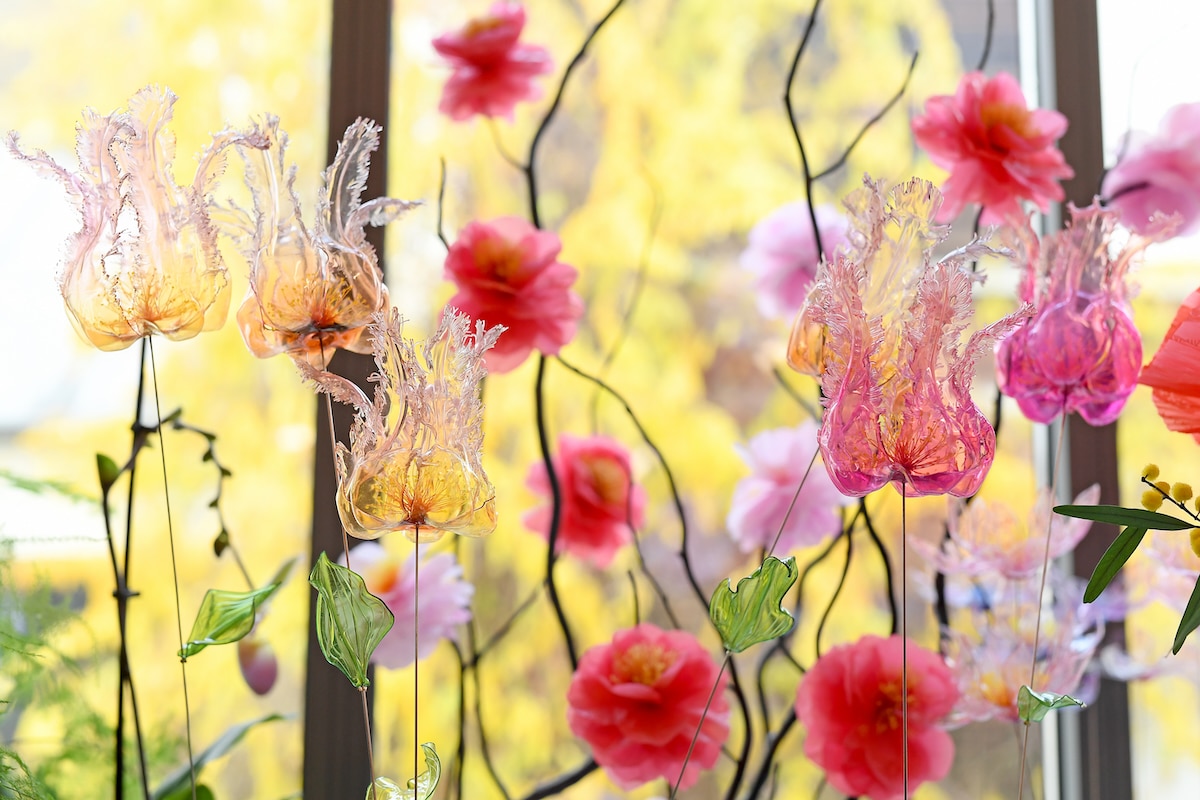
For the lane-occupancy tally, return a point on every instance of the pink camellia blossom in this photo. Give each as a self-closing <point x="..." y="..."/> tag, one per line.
<point x="1172" y="374"/>
<point x="1080" y="351"/>
<point x="851" y="703"/>
<point x="259" y="667"/>
<point x="778" y="460"/>
<point x="1159" y="174"/>
<point x="507" y="273"/>
<point x="639" y="700"/>
<point x="598" y="501"/>
<point x="438" y="604"/>
<point x="882" y="330"/>
<point x="782" y="255"/>
<point x="492" y="71"/>
<point x="997" y="150"/>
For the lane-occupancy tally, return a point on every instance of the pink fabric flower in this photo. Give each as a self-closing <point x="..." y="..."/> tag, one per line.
<point x="492" y="72"/>
<point x="440" y="606"/>
<point x="851" y="704"/>
<point x="598" y="501"/>
<point x="638" y="701"/>
<point x="1159" y="174"/>
<point x="1172" y="371"/>
<point x="507" y="273"/>
<point x="882" y="329"/>
<point x="778" y="460"/>
<point x="782" y="255"/>
<point x="1080" y="351"/>
<point x="997" y="150"/>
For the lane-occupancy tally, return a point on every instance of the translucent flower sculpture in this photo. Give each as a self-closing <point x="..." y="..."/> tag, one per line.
<point x="1080" y="351"/>
<point x="782" y="255"/>
<point x="312" y="291"/>
<point x="413" y="464"/>
<point x="997" y="150"/>
<point x="146" y="259"/>
<point x="881" y="329"/>
<point x="1172" y="374"/>
<point x="1159" y="174"/>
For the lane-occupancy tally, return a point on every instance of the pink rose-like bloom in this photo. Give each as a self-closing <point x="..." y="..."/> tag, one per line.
<point x="507" y="273"/>
<point x="492" y="72"/>
<point x="851" y="704"/>
<point x="442" y="604"/>
<point x="598" y="502"/>
<point x="782" y="255"/>
<point x="639" y="700"/>
<point x="997" y="150"/>
<point x="1159" y="174"/>
<point x="778" y="460"/>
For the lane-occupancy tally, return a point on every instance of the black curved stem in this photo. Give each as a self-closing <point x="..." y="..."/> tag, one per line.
<point x="887" y="563"/>
<point x="502" y="631"/>
<point x="791" y="115"/>
<point x="768" y="758"/>
<point x="837" y="591"/>
<point x="735" y="683"/>
<point x="561" y="784"/>
<point x="987" y="41"/>
<point x="461" y="751"/>
<point x="484" y="750"/>
<point x="441" y="204"/>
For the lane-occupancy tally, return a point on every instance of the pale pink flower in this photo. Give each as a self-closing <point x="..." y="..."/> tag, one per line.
<point x="782" y="255"/>
<point x="882" y="330"/>
<point x="638" y="701"/>
<point x="851" y="703"/>
<point x="492" y="70"/>
<point x="599" y="500"/>
<point x="438" y="602"/>
<point x="778" y="460"/>
<point x="507" y="273"/>
<point x="997" y="150"/>
<point x="1159" y="174"/>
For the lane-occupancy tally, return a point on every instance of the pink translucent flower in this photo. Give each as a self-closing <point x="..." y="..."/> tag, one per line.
<point x="1159" y="174"/>
<point x="882" y="330"/>
<point x="782" y="255"/>
<point x="598" y="501"/>
<point x="507" y="273"/>
<point x="997" y="150"/>
<point x="778" y="460"/>
<point x="1080" y="351"/>
<point x="639" y="700"/>
<point x="1172" y="371"/>
<point x="851" y="703"/>
<point x="492" y="72"/>
<point x="439" y="603"/>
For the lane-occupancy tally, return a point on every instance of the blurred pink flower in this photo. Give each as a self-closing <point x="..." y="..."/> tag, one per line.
<point x="1159" y="174"/>
<point x="882" y="330"/>
<point x="782" y="255"/>
<point x="507" y="273"/>
<point x="1172" y="371"/>
<point x="851" y="703"/>
<point x="639" y="700"/>
<point x="778" y="459"/>
<point x="597" y="500"/>
<point x="997" y="150"/>
<point x="440" y="603"/>
<point x="1080" y="351"/>
<point x="259" y="667"/>
<point x="492" y="72"/>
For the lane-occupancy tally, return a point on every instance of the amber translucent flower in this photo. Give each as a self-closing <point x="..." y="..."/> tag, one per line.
<point x="414" y="463"/>
<point x="312" y="291"/>
<point x="146" y="259"/>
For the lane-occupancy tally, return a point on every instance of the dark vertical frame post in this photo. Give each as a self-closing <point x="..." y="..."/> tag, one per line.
<point x="335" y="754"/>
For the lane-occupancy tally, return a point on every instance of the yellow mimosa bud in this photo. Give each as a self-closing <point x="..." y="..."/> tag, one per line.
<point x="1151" y="499"/>
<point x="1182" y="492"/>
<point x="1163" y="487"/>
<point x="1150" y="472"/>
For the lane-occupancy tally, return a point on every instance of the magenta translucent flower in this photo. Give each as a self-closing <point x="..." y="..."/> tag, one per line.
<point x="1080" y="351"/>
<point x="882" y="330"/>
<point x="782" y="255"/>
<point x="778" y="459"/>
<point x="1158" y="176"/>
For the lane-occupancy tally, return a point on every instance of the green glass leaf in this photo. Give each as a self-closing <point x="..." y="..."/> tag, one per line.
<point x="226" y="617"/>
<point x="1135" y="517"/>
<point x="1190" y="620"/>
<point x="351" y="622"/>
<point x="108" y="471"/>
<point x="1111" y="562"/>
<point x="754" y="612"/>
<point x="1034" y="706"/>
<point x="178" y="784"/>
<point x="419" y="789"/>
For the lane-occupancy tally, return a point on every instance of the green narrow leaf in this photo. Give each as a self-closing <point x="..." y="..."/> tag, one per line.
<point x="1034" y="706"/>
<point x="180" y="780"/>
<point x="1111" y="562"/>
<point x="221" y="542"/>
<point x="351" y="622"/>
<point x="226" y="617"/>
<point x="1190" y="620"/>
<point x="108" y="471"/>
<point x="420" y="788"/>
<point x="185" y="793"/>
<point x="1134" y="517"/>
<point x="754" y="612"/>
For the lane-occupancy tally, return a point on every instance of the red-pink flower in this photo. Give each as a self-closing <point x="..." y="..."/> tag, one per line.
<point x="782" y="255"/>
<point x="492" y="71"/>
<point x="598" y="500"/>
<point x="1159" y="174"/>
<point x="639" y="700"/>
<point x="507" y="273"/>
<point x="997" y="150"/>
<point x="851" y="703"/>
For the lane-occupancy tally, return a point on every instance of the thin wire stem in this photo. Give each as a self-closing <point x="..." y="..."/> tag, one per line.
<point x="904" y="627"/>
<point x="416" y="652"/>
<point x="700" y="727"/>
<point x="792" y="505"/>
<point x="362" y="693"/>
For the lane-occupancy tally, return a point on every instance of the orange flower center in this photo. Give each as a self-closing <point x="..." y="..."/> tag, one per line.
<point x="497" y="259"/>
<point x="889" y="711"/>
<point x="994" y="689"/>
<point x="1016" y="118"/>
<point x="382" y="576"/>
<point x="642" y="663"/>
<point x="608" y="477"/>
<point x="481" y="25"/>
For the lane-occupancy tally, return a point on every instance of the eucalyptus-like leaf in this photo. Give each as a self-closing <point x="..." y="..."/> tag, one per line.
<point x="420" y="788"/>
<point x="1111" y="562"/>
<point x="225" y="616"/>
<point x="754" y="612"/>
<point x="1135" y="517"/>
<point x="107" y="470"/>
<point x="1034" y="706"/>
<point x="351" y="622"/>
<point x="178" y="784"/>
<point x="1190" y="620"/>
